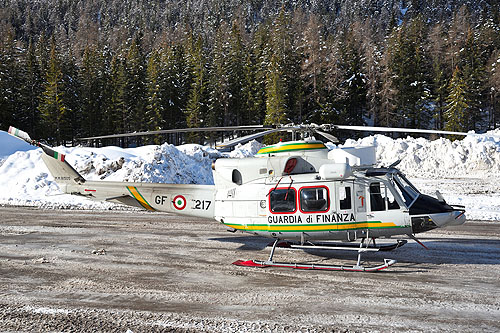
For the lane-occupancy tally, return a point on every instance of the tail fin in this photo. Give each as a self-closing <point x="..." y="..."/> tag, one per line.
<point x="61" y="170"/>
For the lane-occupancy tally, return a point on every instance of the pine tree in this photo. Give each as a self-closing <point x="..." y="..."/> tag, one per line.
<point x="118" y="116"/>
<point x="494" y="83"/>
<point x="256" y="68"/>
<point x="90" y="96"/>
<point x="135" y="94"/>
<point x="71" y="86"/>
<point x="457" y="104"/>
<point x="178" y="82"/>
<point x="10" y="111"/>
<point x="31" y="90"/>
<point x="219" y="112"/>
<point x="473" y="71"/>
<point x="372" y="55"/>
<point x="409" y="66"/>
<point x="276" y="80"/>
<point x="235" y="65"/>
<point x="353" y="105"/>
<point x="313" y="67"/>
<point x="333" y="89"/>
<point x="275" y="103"/>
<point x="52" y="107"/>
<point x="107" y="90"/>
<point x="440" y="75"/>
<point x="155" y="89"/>
<point x="387" y="113"/>
<point x="196" y="108"/>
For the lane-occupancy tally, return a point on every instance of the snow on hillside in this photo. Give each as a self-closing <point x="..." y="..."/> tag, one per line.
<point x="465" y="171"/>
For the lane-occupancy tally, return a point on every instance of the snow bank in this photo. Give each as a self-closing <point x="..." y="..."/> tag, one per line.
<point x="465" y="171"/>
<point x="29" y="182"/>
<point x="474" y="156"/>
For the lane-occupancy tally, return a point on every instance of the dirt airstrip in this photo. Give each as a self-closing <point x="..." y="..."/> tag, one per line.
<point x="69" y="270"/>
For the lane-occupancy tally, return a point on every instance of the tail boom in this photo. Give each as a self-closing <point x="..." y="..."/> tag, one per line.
<point x="189" y="199"/>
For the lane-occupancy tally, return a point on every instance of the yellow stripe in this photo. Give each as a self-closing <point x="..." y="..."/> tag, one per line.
<point x="367" y="224"/>
<point x="137" y="196"/>
<point x="340" y="226"/>
<point x="276" y="149"/>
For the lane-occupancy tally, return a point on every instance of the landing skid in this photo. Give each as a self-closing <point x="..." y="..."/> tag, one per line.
<point x="258" y="263"/>
<point x="341" y="246"/>
<point x="363" y="247"/>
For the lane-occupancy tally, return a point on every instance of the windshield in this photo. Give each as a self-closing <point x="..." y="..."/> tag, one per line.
<point x="406" y="189"/>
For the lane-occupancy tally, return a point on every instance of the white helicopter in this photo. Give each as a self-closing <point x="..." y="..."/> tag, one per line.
<point x="298" y="193"/>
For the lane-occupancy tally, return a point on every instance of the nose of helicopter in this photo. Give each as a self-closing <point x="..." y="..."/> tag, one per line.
<point x="455" y="217"/>
<point x="430" y="213"/>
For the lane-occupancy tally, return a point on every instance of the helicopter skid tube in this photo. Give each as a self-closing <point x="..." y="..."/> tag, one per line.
<point x="257" y="263"/>
<point x="341" y="246"/>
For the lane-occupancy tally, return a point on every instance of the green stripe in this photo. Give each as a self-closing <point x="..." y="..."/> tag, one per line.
<point x="296" y="144"/>
<point x="133" y="196"/>
<point x="142" y="197"/>
<point x="308" y="224"/>
<point x="334" y="226"/>
<point x="292" y="149"/>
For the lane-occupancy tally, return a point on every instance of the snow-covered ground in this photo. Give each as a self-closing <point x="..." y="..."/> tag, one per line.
<point x="465" y="171"/>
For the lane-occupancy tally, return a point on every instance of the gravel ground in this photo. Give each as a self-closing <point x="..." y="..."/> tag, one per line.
<point x="131" y="271"/>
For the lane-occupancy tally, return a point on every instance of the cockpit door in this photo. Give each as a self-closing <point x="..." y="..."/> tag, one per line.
<point x="345" y="206"/>
<point x="383" y="209"/>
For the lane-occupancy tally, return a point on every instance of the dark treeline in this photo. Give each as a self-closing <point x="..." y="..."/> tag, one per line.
<point x="72" y="69"/>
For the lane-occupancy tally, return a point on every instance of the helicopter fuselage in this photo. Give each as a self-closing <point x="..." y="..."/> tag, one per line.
<point x="293" y="190"/>
<point x="308" y="195"/>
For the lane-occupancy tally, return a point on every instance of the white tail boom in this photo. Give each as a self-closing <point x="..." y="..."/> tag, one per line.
<point x="190" y="200"/>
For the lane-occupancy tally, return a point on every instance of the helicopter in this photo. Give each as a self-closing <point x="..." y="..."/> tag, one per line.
<point x="299" y="193"/>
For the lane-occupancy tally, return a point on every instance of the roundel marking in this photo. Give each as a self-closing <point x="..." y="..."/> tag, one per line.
<point x="179" y="202"/>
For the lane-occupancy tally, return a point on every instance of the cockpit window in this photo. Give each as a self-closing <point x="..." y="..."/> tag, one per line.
<point x="314" y="199"/>
<point x="381" y="198"/>
<point x="406" y="189"/>
<point x="376" y="199"/>
<point x="283" y="200"/>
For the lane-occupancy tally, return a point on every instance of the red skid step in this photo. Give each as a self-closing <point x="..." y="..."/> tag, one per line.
<point x="256" y="263"/>
<point x="247" y="263"/>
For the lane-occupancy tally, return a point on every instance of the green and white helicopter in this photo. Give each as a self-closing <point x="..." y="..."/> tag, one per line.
<point x="298" y="193"/>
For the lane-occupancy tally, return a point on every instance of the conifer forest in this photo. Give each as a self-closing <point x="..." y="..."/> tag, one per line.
<point x="78" y="68"/>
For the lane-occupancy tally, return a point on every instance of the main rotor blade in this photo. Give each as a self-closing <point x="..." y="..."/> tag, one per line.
<point x="404" y="130"/>
<point x="330" y="137"/>
<point x="247" y="138"/>
<point x="20" y="134"/>
<point x="181" y="130"/>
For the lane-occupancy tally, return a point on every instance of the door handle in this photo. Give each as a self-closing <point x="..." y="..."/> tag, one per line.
<point x="370" y="215"/>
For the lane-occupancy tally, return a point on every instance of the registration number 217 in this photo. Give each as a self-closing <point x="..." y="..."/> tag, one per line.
<point x="202" y="204"/>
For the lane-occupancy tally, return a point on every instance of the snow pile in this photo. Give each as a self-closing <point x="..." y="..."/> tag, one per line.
<point x="29" y="182"/>
<point x="189" y="164"/>
<point x="474" y="156"/>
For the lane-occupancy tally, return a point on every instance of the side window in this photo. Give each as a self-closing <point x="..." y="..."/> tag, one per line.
<point x="376" y="199"/>
<point x="345" y="197"/>
<point x="379" y="195"/>
<point x="314" y="199"/>
<point x="391" y="200"/>
<point x="283" y="200"/>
